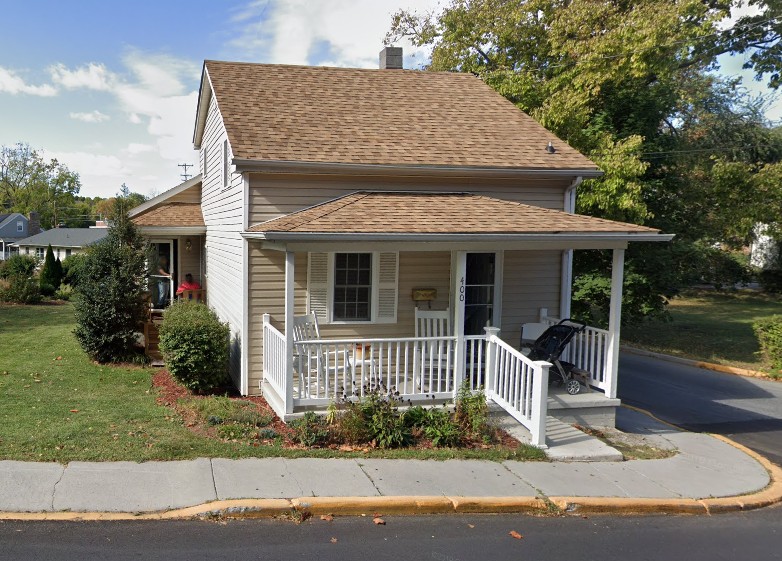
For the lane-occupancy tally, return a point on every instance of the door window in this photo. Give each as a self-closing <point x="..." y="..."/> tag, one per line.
<point x="479" y="292"/>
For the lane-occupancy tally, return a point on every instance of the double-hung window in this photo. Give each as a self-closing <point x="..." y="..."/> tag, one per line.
<point x="353" y="287"/>
<point x="19" y="226"/>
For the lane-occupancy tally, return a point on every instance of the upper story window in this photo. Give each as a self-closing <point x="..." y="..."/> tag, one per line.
<point x="20" y="226"/>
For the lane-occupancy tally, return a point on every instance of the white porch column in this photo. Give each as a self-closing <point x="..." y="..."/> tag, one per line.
<point x="614" y="322"/>
<point x="566" y="284"/>
<point x="459" y="289"/>
<point x="289" y="301"/>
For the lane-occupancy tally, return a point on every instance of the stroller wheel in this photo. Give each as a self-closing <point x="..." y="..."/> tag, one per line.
<point x="572" y="386"/>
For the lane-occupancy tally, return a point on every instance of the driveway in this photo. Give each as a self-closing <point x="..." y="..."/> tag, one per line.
<point x="748" y="410"/>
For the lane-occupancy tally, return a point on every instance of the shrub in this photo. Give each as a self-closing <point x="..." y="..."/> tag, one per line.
<point x="310" y="430"/>
<point x="50" y="276"/>
<point x="18" y="265"/>
<point x="72" y="269"/>
<point x="769" y="334"/>
<point x="20" y="290"/>
<point x="472" y="411"/>
<point x="441" y="428"/>
<point x="64" y="292"/>
<point x="771" y="280"/>
<point x="194" y="344"/>
<point x="109" y="305"/>
<point x="385" y="424"/>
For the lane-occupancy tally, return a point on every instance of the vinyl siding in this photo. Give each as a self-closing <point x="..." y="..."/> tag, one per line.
<point x="531" y="280"/>
<point x="274" y="195"/>
<point x="267" y="295"/>
<point x="223" y="215"/>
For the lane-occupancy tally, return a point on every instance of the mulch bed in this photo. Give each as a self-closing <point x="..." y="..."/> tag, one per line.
<point x="170" y="392"/>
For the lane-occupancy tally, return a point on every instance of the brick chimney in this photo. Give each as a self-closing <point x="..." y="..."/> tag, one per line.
<point x="391" y="58"/>
<point x="34" y="224"/>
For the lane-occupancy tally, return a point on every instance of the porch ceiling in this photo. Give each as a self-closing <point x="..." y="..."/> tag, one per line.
<point x="448" y="218"/>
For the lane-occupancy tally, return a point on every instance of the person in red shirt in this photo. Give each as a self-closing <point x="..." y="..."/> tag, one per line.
<point x="188" y="284"/>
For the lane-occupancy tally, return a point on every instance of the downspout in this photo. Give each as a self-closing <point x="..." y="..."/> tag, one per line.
<point x="566" y="280"/>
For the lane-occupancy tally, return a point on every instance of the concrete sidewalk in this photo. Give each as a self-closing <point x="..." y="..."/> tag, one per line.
<point x="705" y="467"/>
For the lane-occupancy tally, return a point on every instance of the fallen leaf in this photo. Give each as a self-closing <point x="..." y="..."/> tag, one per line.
<point x="515" y="534"/>
<point x="379" y="521"/>
<point x="326" y="517"/>
<point x="471" y="525"/>
<point x="74" y="410"/>
<point x="333" y="540"/>
<point x="58" y="358"/>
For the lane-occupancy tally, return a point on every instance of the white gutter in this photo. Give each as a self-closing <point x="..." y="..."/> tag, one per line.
<point x="477" y="237"/>
<point x="290" y="166"/>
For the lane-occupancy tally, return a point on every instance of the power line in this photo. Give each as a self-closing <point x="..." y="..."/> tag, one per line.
<point x="185" y="176"/>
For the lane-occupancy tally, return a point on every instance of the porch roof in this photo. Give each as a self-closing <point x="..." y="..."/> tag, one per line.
<point x="439" y="216"/>
<point x="172" y="215"/>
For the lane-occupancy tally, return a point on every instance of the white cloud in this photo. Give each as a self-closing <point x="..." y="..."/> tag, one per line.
<point x="90" y="164"/>
<point x="11" y="83"/>
<point x="92" y="76"/>
<point x="287" y="31"/>
<point x="90" y="117"/>
<point x="138" y="148"/>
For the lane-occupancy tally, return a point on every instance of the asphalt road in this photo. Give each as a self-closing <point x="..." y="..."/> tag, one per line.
<point x="748" y="410"/>
<point x="750" y="535"/>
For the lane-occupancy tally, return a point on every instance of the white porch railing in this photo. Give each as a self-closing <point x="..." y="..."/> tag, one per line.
<point x="518" y="385"/>
<point x="274" y="363"/>
<point x="416" y="369"/>
<point x="588" y="350"/>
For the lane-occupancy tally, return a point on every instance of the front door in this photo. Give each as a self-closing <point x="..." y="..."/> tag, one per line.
<point x="479" y="302"/>
<point x="163" y="272"/>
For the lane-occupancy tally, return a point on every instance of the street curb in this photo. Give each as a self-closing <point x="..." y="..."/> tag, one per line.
<point x="700" y="364"/>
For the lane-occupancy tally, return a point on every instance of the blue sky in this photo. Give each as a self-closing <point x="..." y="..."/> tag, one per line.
<point x="110" y="88"/>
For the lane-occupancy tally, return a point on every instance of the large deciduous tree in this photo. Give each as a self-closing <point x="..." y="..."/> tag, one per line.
<point x="30" y="183"/>
<point x="630" y="85"/>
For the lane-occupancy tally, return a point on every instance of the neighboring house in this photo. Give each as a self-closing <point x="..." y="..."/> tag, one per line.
<point x="343" y="192"/>
<point x="15" y="226"/>
<point x="64" y="241"/>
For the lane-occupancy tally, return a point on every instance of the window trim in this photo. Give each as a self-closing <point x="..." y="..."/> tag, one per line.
<point x="20" y="226"/>
<point x="225" y="164"/>
<point x="372" y="285"/>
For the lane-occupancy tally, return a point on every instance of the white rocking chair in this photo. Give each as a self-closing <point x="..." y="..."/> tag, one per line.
<point x="309" y="360"/>
<point x="434" y="354"/>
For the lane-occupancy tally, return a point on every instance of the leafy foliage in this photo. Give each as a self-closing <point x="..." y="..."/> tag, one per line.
<point x="629" y="85"/>
<point x="109" y="305"/>
<point x="194" y="343"/>
<point x="18" y="265"/>
<point x="18" y="284"/>
<point x="769" y="334"/>
<point x="472" y="411"/>
<point x="310" y="430"/>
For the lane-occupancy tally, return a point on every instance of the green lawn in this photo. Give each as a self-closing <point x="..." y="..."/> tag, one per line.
<point x="57" y="405"/>
<point x="709" y="326"/>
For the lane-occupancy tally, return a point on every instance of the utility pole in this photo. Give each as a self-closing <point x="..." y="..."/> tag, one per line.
<point x="185" y="176"/>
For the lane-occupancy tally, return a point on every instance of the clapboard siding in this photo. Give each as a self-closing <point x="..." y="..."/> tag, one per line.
<point x="223" y="215"/>
<point x="274" y="195"/>
<point x="531" y="280"/>
<point x="267" y="295"/>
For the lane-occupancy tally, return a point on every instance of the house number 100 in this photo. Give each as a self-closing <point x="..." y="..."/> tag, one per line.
<point x="461" y="290"/>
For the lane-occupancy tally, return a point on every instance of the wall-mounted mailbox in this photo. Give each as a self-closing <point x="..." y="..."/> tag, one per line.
<point x="424" y="294"/>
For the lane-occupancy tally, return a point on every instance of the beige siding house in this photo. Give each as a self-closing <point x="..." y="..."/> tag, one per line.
<point x="358" y="195"/>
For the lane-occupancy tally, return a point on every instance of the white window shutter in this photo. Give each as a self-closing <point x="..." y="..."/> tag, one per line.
<point x="318" y="286"/>
<point x="388" y="270"/>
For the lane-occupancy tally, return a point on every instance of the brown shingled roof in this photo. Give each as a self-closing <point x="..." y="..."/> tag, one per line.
<point x="438" y="213"/>
<point x="380" y="117"/>
<point x="172" y="215"/>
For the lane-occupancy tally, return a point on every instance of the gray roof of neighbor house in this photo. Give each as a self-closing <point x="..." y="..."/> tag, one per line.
<point x="65" y="237"/>
<point x="321" y="115"/>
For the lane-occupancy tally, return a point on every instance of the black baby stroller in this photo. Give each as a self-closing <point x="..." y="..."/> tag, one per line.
<point x="549" y="347"/>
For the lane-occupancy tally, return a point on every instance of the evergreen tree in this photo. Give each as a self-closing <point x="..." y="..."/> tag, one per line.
<point x="109" y="305"/>
<point x="50" y="276"/>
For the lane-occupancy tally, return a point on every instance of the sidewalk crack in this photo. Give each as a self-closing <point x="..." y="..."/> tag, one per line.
<point x="214" y="481"/>
<point x="54" y="489"/>
<point x="372" y="481"/>
<point x="540" y="493"/>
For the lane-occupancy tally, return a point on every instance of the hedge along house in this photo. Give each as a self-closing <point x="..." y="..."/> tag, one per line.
<point x="357" y="195"/>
